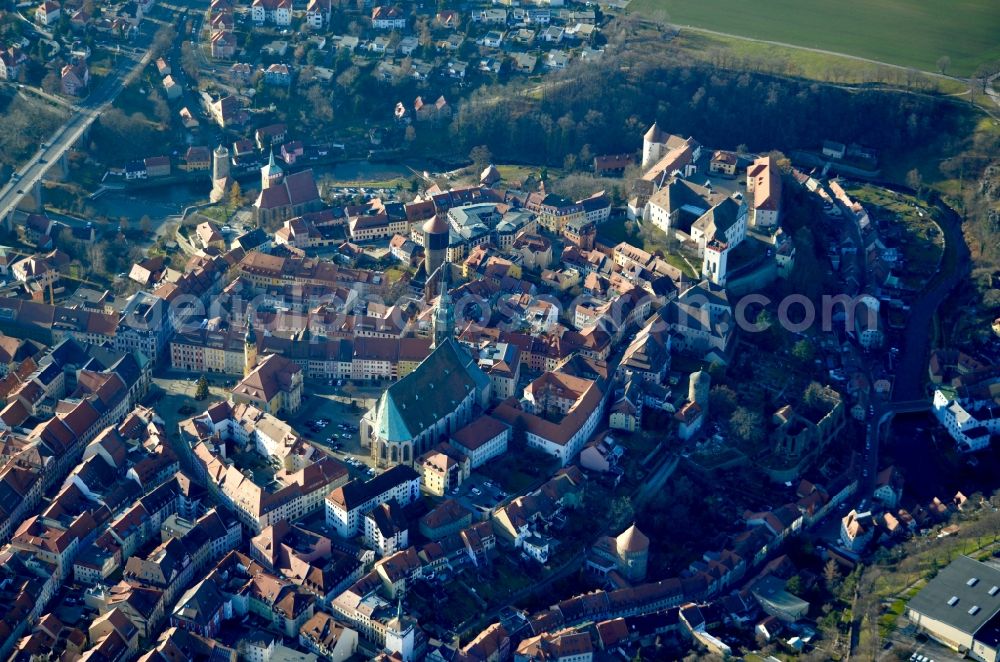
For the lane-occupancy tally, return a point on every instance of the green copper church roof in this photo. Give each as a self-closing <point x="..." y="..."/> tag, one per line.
<point x="433" y="390"/>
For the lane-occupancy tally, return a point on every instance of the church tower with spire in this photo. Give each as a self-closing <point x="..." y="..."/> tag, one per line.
<point x="271" y="174"/>
<point x="249" y="348"/>
<point x="443" y="323"/>
<point x="400" y="634"/>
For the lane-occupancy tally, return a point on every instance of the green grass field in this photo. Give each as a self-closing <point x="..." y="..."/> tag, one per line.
<point x="912" y="33"/>
<point x="812" y="65"/>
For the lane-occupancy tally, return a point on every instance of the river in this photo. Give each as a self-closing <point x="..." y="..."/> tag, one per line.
<point x="159" y="203"/>
<point x="926" y="455"/>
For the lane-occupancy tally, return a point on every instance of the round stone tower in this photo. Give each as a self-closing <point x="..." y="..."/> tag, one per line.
<point x="652" y="146"/>
<point x="220" y="163"/>
<point x="632" y="547"/>
<point x="698" y="388"/>
<point x="436" y="232"/>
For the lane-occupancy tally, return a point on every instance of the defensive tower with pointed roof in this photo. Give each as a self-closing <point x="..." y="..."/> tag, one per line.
<point x="436" y="234"/>
<point x="652" y="145"/>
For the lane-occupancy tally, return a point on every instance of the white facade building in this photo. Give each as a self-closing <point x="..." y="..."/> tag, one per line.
<point x="972" y="424"/>
<point x="346" y="505"/>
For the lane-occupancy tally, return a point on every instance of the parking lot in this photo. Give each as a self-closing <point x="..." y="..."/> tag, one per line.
<point x="478" y="494"/>
<point x="332" y="425"/>
<point x="919" y="647"/>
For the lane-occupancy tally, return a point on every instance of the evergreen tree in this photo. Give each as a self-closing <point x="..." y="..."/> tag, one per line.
<point x="201" y="392"/>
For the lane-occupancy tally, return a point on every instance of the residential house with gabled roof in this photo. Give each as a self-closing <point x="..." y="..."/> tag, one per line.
<point x="226" y="111"/>
<point x="856" y="530"/>
<point x="398" y="571"/>
<point x="780" y="522"/>
<point x="436" y="111"/>
<point x="279" y="602"/>
<point x="612" y="165"/>
<point x="764" y="181"/>
<point x="273" y="386"/>
<point x="223" y="45"/>
<point x="200" y="609"/>
<point x="74" y="78"/>
<point x="278" y="74"/>
<point x="889" y="487"/>
<point x="11" y="60"/>
<point x="388" y="18"/>
<point x="325" y="637"/>
<point x="520" y="518"/>
<point x="278" y="12"/>
<point x="443" y="469"/>
<point x="48" y="13"/>
<point x="491" y="645"/>
<point x="318" y="13"/>
<point x="561" y="646"/>
<point x="386" y="530"/>
<point x="114" y="624"/>
<point x="723" y="163"/>
<point x="308" y="557"/>
<point x="445" y="519"/>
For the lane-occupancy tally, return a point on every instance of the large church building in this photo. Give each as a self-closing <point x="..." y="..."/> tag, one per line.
<point x="285" y="196"/>
<point x="441" y="395"/>
<point x="424" y="408"/>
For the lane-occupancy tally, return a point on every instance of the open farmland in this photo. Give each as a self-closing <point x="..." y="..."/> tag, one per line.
<point x="911" y="33"/>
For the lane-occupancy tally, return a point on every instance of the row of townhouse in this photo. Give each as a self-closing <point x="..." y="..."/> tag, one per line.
<point x="52" y="543"/>
<point x="133" y="610"/>
<point x="264" y="271"/>
<point x="362" y="358"/>
<point x="367" y="605"/>
<point x="176" y="498"/>
<point x="173" y="564"/>
<point x="144" y="325"/>
<point x="306" y="476"/>
<point x="48" y="544"/>
<point x="101" y="397"/>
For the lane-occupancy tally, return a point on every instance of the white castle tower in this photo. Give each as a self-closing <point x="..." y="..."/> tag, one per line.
<point x="653" y="146"/>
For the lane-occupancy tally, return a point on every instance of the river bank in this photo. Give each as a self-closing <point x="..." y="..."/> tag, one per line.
<point x="168" y="196"/>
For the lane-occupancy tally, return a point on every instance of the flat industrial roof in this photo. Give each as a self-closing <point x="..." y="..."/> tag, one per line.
<point x="964" y="595"/>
